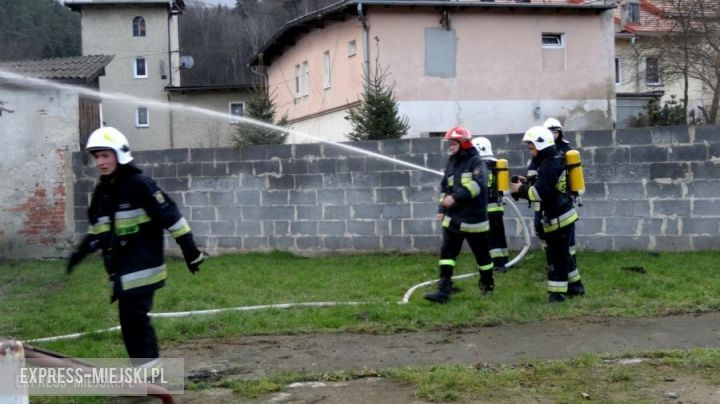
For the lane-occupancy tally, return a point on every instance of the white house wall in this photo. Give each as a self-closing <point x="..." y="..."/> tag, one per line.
<point x="332" y="126"/>
<point x="198" y="130"/>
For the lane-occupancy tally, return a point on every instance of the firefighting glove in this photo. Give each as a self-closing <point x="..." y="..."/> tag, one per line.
<point x="193" y="259"/>
<point x="515" y="179"/>
<point x="87" y="246"/>
<point x="193" y="256"/>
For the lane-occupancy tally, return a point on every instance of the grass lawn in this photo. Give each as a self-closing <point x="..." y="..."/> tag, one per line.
<point x="38" y="300"/>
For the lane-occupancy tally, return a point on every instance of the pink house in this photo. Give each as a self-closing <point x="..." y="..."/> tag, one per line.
<point x="495" y="67"/>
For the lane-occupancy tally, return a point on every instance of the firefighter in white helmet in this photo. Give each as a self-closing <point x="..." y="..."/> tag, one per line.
<point x="128" y="214"/>
<point x="463" y="212"/>
<point x="562" y="146"/>
<point x="495" y="210"/>
<point x="558" y="214"/>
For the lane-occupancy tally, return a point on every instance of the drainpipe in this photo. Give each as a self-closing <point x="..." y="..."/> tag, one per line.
<point x="637" y="64"/>
<point x="366" y="41"/>
<point x="170" y="74"/>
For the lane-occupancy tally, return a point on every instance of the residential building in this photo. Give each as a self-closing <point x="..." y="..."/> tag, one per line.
<point x="495" y="67"/>
<point x="640" y="65"/>
<point x="143" y="37"/>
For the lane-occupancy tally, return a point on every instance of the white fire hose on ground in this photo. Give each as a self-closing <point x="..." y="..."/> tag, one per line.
<point x="405" y="299"/>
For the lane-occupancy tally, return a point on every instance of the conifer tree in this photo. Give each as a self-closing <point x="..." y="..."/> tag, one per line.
<point x="261" y="107"/>
<point x="377" y="116"/>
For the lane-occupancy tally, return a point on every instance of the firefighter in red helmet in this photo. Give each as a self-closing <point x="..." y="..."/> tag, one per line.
<point x="463" y="213"/>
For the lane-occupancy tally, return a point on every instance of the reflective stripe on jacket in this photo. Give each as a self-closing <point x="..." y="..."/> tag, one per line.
<point x="465" y="179"/>
<point x="550" y="190"/>
<point x="128" y="215"/>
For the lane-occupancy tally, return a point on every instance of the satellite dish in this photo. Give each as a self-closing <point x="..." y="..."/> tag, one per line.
<point x="186" y="62"/>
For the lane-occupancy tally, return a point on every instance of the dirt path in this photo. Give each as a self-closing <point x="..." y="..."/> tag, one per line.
<point x="253" y="357"/>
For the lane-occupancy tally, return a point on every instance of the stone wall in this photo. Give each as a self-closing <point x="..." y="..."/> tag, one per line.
<point x="39" y="131"/>
<point x="654" y="188"/>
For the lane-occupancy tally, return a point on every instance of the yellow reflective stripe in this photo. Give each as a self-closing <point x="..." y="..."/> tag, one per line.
<point x="495" y="207"/>
<point x="440" y="198"/>
<point x="537" y="207"/>
<point x="102" y="225"/>
<point x="499" y="252"/>
<point x="99" y="228"/>
<point x="179" y="228"/>
<point x="574" y="276"/>
<point x="471" y="186"/>
<point x="557" y="287"/>
<point x="451" y="181"/>
<point x="129" y="221"/>
<point x="486" y="267"/>
<point x="446" y="221"/>
<point x="475" y="227"/>
<point x="533" y="195"/>
<point x="564" y="220"/>
<point x="447" y="262"/>
<point x="143" y="278"/>
<point x="573" y="251"/>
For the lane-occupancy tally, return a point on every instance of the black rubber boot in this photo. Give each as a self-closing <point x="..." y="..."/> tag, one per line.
<point x="499" y="265"/>
<point x="576" y="289"/>
<point x="486" y="283"/>
<point x="442" y="295"/>
<point x="556" y="297"/>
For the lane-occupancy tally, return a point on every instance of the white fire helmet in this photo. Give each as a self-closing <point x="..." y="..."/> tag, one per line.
<point x="540" y="136"/>
<point x="553" y="124"/>
<point x="483" y="146"/>
<point x="110" y="138"/>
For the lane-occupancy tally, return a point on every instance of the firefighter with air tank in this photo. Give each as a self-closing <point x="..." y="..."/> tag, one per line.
<point x="558" y="178"/>
<point x="498" y="182"/>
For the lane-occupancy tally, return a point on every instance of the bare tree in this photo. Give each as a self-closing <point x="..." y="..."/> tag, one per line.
<point x="687" y="45"/>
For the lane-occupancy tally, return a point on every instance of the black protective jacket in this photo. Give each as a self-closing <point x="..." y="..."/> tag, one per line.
<point x="550" y="189"/>
<point x="128" y="214"/>
<point x="466" y="180"/>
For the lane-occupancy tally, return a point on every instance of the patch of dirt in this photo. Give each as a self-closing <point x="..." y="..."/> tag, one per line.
<point x="257" y="357"/>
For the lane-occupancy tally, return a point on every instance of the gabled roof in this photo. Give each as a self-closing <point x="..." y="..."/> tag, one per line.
<point x="77" y="68"/>
<point x="653" y="18"/>
<point x="339" y="11"/>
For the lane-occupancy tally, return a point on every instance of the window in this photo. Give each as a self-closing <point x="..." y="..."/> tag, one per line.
<point x="304" y="82"/>
<point x="236" y="109"/>
<point x="352" y="48"/>
<point x="633" y="10"/>
<point x="142" y="117"/>
<point x="140" y="68"/>
<point x="326" y="69"/>
<point x="302" y="75"/>
<point x="138" y="26"/>
<point x="618" y="79"/>
<point x="552" y="40"/>
<point x="652" y="71"/>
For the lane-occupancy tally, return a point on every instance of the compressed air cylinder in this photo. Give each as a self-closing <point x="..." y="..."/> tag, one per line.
<point x="576" y="178"/>
<point x="503" y="175"/>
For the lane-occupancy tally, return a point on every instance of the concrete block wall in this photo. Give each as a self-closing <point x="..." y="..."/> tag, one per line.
<point x="654" y="189"/>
